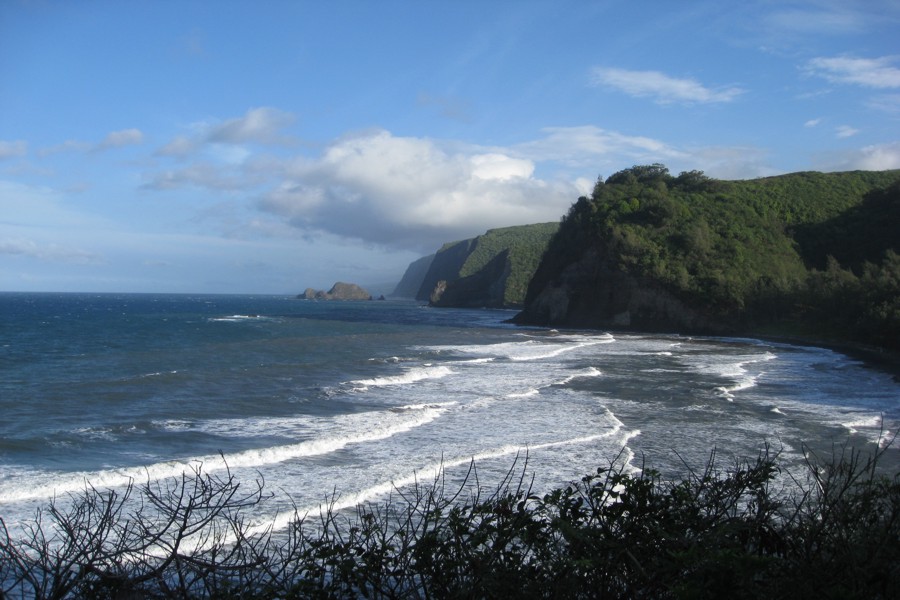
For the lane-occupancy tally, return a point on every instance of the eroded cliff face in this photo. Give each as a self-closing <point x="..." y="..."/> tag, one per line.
<point x="590" y="293"/>
<point x="484" y="288"/>
<point x="491" y="270"/>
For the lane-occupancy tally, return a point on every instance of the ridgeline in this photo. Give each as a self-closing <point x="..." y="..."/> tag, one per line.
<point x="803" y="256"/>
<point x="490" y="270"/>
<point x="806" y="255"/>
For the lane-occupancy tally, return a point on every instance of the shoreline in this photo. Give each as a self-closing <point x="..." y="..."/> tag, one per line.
<point x="874" y="357"/>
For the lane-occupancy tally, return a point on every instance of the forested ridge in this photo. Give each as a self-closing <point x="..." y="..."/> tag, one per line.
<point x="812" y="254"/>
<point x="492" y="269"/>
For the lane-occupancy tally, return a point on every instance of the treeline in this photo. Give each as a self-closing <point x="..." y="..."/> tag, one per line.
<point x="742" y="531"/>
<point x="805" y="253"/>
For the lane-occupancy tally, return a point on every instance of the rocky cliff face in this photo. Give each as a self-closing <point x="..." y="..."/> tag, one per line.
<point x="491" y="270"/>
<point x="413" y="277"/>
<point x="446" y="266"/>
<point x="483" y="288"/>
<point x="592" y="293"/>
<point x="339" y="291"/>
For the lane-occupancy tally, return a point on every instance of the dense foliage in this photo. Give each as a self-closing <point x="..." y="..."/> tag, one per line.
<point x="798" y="253"/>
<point x="492" y="269"/>
<point x="525" y="245"/>
<point x="747" y="531"/>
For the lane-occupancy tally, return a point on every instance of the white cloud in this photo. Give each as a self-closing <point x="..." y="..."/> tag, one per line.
<point x="867" y="72"/>
<point x="114" y="139"/>
<point x="663" y="88"/>
<point x="588" y="146"/>
<point x="412" y="193"/>
<point x="124" y="137"/>
<point x="181" y="146"/>
<point x="845" y="131"/>
<point x="878" y="157"/>
<point x="828" y="20"/>
<point x="200" y="175"/>
<point x="889" y="103"/>
<point x="261" y="125"/>
<point x="731" y="162"/>
<point x="67" y="146"/>
<point x="12" y="149"/>
<point x="812" y="122"/>
<point x="49" y="252"/>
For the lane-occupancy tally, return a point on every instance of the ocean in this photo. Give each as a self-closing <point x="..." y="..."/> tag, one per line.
<point x="346" y="402"/>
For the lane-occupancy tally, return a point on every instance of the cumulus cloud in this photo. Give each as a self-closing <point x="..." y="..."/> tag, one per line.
<point x="661" y="87"/>
<point x="812" y="122"/>
<point x="261" y="125"/>
<point x="226" y="139"/>
<point x="203" y="175"/>
<point x="412" y="193"/>
<point x="868" y="72"/>
<point x="877" y="157"/>
<point x="114" y="139"/>
<point x="124" y="137"/>
<point x="11" y="149"/>
<point x="181" y="146"/>
<point x="845" y="131"/>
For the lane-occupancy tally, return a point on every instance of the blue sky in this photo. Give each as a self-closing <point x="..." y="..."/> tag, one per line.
<point x="266" y="147"/>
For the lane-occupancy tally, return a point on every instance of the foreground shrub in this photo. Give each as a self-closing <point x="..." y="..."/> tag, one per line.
<point x="746" y="531"/>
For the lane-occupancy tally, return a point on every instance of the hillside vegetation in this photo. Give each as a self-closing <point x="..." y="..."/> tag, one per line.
<point x="804" y="253"/>
<point x="492" y="269"/>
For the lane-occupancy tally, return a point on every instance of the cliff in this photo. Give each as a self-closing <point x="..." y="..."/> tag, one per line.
<point x="413" y="277"/>
<point x="797" y="254"/>
<point x="491" y="270"/>
<point x="339" y="291"/>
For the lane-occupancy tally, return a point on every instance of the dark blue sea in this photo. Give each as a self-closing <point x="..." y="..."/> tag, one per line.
<point x="350" y="401"/>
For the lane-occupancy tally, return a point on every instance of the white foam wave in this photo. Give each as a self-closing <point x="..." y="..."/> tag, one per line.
<point x="357" y="429"/>
<point x="238" y="318"/>
<point x="432" y="473"/>
<point x="528" y="394"/>
<point x="532" y="348"/>
<point x="588" y="372"/>
<point x="413" y="375"/>
<point x="867" y="422"/>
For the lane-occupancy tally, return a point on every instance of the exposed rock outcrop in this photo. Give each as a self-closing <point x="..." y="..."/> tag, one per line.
<point x="339" y="291"/>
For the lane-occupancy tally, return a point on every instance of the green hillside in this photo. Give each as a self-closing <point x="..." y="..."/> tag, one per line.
<point x="798" y="253"/>
<point x="492" y="269"/>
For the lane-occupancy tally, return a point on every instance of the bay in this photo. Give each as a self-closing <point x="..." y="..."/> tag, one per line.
<point x="350" y="400"/>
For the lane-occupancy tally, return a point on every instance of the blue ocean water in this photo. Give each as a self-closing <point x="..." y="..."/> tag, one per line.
<point x="352" y="400"/>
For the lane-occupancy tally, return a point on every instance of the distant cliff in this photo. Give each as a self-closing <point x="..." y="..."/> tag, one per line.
<point x="412" y="279"/>
<point x="491" y="270"/>
<point x="339" y="291"/>
<point x="808" y="254"/>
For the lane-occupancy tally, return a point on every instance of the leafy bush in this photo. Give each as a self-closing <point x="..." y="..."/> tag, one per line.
<point x="737" y="532"/>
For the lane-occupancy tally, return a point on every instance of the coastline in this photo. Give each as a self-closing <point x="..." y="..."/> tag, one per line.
<point x="874" y="357"/>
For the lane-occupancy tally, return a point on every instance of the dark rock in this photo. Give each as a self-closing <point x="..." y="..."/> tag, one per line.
<point x="339" y="291"/>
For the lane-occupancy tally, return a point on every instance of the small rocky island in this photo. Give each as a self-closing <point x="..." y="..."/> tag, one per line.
<point x="339" y="291"/>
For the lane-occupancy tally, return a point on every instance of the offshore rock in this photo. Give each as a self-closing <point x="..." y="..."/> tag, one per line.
<point x="339" y="291"/>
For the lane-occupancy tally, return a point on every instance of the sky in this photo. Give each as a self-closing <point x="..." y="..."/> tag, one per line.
<point x="267" y="147"/>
